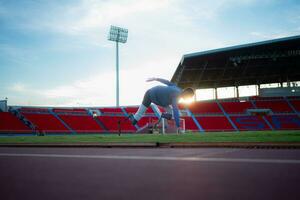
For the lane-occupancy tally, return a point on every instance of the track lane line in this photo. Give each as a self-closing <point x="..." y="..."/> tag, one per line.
<point x="164" y="158"/>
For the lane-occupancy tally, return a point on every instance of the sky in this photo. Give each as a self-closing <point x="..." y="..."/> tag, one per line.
<point x="56" y="52"/>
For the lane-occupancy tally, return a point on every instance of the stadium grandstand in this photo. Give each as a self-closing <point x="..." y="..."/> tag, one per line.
<point x="275" y="62"/>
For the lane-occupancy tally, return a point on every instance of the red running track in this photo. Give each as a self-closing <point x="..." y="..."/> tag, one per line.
<point x="90" y="173"/>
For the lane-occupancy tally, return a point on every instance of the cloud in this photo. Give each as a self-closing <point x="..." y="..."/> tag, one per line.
<point x="18" y="87"/>
<point x="101" y="13"/>
<point x="278" y="34"/>
<point x="160" y="32"/>
<point x="78" y="17"/>
<point x="86" y="22"/>
<point x="95" y="90"/>
<point x="261" y="35"/>
<point x="85" y="16"/>
<point x="91" y="15"/>
<point x="17" y="55"/>
<point x="99" y="89"/>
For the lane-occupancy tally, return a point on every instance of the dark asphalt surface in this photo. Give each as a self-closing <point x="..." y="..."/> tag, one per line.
<point x="206" y="173"/>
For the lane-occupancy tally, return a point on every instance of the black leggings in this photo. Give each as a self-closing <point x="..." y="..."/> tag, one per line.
<point x="147" y="101"/>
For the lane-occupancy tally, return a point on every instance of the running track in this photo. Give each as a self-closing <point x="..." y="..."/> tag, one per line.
<point x="205" y="173"/>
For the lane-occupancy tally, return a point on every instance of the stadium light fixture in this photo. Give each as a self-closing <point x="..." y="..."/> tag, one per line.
<point x="117" y="34"/>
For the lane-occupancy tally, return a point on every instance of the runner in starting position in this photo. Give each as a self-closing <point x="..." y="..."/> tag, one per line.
<point x="165" y="96"/>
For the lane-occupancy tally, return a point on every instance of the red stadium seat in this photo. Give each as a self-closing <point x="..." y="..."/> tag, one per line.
<point x="205" y="108"/>
<point x="215" y="123"/>
<point x="34" y="110"/>
<point x="133" y="110"/>
<point x="284" y="122"/>
<point x="277" y="106"/>
<point x="247" y="123"/>
<point x="82" y="124"/>
<point x="208" y="114"/>
<point x="265" y="98"/>
<point x="111" y="110"/>
<point x="236" y="107"/>
<point x="111" y="123"/>
<point x="190" y="124"/>
<point x="296" y="104"/>
<point x="10" y="123"/>
<point x="73" y="111"/>
<point x="46" y="122"/>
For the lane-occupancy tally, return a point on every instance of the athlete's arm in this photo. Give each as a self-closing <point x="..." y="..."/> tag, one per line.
<point x="176" y="112"/>
<point x="164" y="81"/>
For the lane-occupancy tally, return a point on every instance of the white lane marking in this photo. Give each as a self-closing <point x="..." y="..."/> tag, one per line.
<point x="208" y="154"/>
<point x="220" y="152"/>
<point x="191" y="159"/>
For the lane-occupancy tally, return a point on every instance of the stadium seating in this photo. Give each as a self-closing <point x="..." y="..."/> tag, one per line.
<point x="33" y="110"/>
<point x="112" y="123"/>
<point x="133" y="110"/>
<point x="81" y="124"/>
<point x="190" y="124"/>
<point x="71" y="111"/>
<point x="205" y="108"/>
<point x="284" y="122"/>
<point x="209" y="115"/>
<point x="265" y="98"/>
<point x="296" y="104"/>
<point x="182" y="106"/>
<point x="46" y="122"/>
<point x="236" y="107"/>
<point x="147" y="120"/>
<point x="111" y="111"/>
<point x="277" y="106"/>
<point x="245" y="123"/>
<point x="11" y="124"/>
<point x="215" y="123"/>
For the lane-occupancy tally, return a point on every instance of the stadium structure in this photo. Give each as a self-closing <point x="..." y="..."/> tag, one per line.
<point x="273" y="61"/>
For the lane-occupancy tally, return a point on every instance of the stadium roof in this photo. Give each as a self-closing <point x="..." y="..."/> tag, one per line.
<point x="269" y="61"/>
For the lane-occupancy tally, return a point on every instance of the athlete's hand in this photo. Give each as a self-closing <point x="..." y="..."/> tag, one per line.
<point x="150" y="79"/>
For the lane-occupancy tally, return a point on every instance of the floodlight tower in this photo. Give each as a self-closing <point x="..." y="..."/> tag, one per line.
<point x="117" y="35"/>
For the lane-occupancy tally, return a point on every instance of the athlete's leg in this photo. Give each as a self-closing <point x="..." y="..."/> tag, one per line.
<point x="142" y="109"/>
<point x="156" y="110"/>
<point x="168" y="109"/>
<point x="168" y="114"/>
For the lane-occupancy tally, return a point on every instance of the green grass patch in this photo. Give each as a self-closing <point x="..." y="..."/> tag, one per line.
<point x="251" y="136"/>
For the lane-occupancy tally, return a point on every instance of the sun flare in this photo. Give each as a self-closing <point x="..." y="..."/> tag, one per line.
<point x="187" y="100"/>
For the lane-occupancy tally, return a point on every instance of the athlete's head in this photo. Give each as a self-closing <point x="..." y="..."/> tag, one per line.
<point x="187" y="93"/>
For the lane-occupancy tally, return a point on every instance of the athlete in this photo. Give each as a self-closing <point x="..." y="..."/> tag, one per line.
<point x="166" y="96"/>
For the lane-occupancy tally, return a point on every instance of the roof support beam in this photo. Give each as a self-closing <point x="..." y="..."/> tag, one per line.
<point x="202" y="72"/>
<point x="178" y="78"/>
<point x="224" y="70"/>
